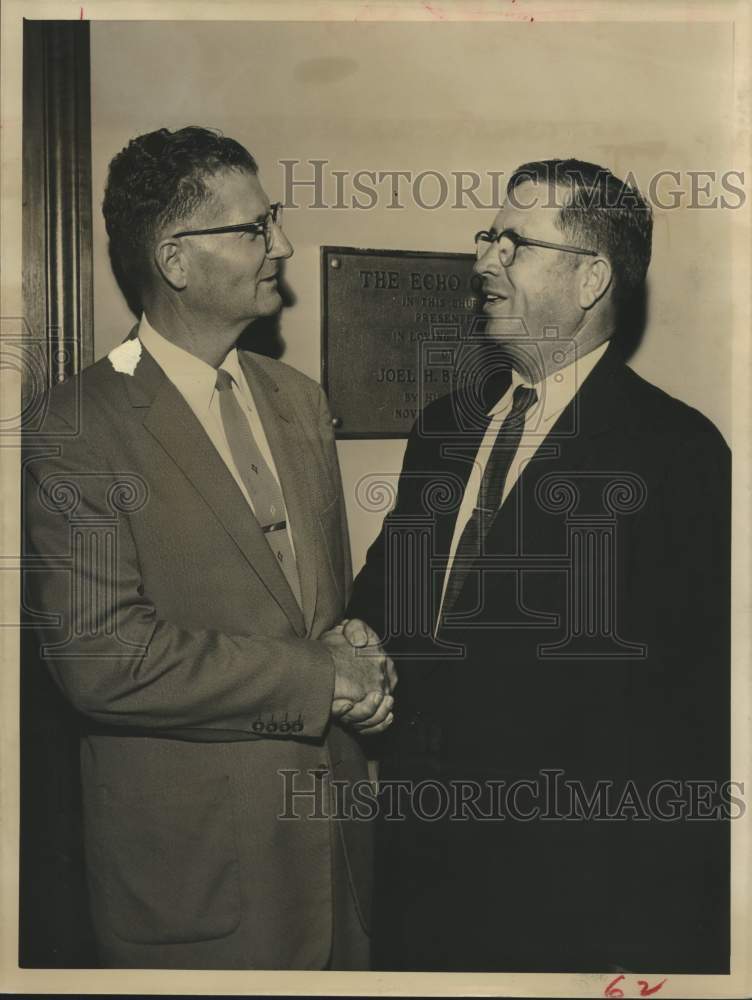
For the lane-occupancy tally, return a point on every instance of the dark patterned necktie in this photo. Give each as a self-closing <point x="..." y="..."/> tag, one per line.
<point x="262" y="486"/>
<point x="469" y="547"/>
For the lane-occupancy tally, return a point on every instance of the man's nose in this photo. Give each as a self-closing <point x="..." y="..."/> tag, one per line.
<point x="488" y="262"/>
<point x="281" y="247"/>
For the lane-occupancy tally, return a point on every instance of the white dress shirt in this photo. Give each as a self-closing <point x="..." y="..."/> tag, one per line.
<point x="554" y="394"/>
<point x="196" y="380"/>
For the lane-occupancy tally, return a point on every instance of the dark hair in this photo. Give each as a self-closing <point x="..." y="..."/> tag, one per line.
<point x="599" y="212"/>
<point x="159" y="178"/>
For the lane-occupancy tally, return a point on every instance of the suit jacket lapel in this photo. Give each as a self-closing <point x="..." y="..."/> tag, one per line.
<point x="172" y="422"/>
<point x="455" y="455"/>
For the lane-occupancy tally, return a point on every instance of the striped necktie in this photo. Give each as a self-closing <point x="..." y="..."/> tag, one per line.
<point x="470" y="545"/>
<point x="259" y="481"/>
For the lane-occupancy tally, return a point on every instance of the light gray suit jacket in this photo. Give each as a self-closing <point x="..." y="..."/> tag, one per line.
<point x="171" y="628"/>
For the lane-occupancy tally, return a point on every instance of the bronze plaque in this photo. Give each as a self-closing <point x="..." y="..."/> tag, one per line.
<point x="385" y="316"/>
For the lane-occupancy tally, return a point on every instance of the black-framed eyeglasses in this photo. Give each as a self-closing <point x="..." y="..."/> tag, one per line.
<point x="272" y="218"/>
<point x="509" y="242"/>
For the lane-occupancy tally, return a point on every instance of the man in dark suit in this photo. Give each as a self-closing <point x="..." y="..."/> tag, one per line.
<point x="562" y="730"/>
<point x="190" y="555"/>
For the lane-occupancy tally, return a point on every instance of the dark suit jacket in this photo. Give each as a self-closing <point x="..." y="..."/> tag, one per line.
<point x="599" y="648"/>
<point x="171" y="628"/>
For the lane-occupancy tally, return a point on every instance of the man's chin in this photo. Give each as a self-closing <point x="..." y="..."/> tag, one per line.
<point x="270" y="302"/>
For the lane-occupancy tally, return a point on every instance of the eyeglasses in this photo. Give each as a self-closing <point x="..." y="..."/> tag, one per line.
<point x="509" y="242"/>
<point x="272" y="218"/>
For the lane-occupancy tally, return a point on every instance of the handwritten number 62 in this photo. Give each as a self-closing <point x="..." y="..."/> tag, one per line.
<point x="646" y="990"/>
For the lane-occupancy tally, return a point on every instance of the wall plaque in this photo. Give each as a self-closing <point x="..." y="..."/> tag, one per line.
<point x="385" y="316"/>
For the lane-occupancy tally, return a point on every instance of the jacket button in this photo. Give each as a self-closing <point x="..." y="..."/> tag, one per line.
<point x="258" y="726"/>
<point x="271" y="727"/>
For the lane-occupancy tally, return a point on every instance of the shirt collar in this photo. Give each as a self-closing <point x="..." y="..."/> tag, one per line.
<point x="193" y="378"/>
<point x="557" y="390"/>
<point x="231" y="364"/>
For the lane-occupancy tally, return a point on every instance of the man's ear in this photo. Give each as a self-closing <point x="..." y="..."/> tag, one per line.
<point x="595" y="283"/>
<point x="171" y="264"/>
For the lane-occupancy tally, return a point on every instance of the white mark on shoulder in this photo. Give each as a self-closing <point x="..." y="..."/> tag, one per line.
<point x="126" y="356"/>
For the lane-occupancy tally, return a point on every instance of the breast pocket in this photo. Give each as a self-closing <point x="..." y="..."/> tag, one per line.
<point x="168" y="863"/>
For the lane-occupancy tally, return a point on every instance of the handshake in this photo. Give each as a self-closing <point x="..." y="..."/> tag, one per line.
<point x="364" y="677"/>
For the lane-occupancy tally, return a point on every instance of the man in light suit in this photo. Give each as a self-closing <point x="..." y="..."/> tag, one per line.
<point x="185" y="513"/>
<point x="580" y="571"/>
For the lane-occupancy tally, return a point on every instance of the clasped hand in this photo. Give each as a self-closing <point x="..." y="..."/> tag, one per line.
<point x="364" y="677"/>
